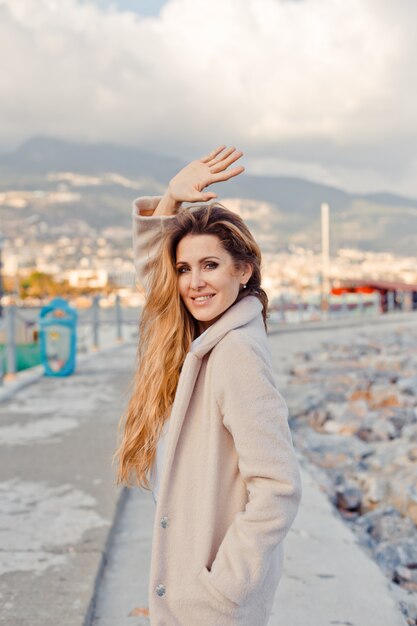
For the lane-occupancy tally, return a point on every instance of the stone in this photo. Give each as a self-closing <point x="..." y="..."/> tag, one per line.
<point x="348" y="497"/>
<point x="412" y="454"/>
<point x="376" y="489"/>
<point x="331" y="426"/>
<point x="358" y="407"/>
<point x="399" y="418"/>
<point x="383" y="396"/>
<point x="403" y="492"/>
<point x="360" y="394"/>
<point x="317" y="418"/>
<point x="390" y="554"/>
<point x="335" y="449"/>
<point x="408" y="385"/>
<point x="334" y="411"/>
<point x="390" y="526"/>
<point x="389" y="455"/>
<point x="403" y="574"/>
<point x="409" y="432"/>
<point x="303" y="399"/>
<point x="376" y="429"/>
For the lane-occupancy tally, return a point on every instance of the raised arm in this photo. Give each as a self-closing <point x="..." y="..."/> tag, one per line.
<point x="151" y="213"/>
<point x="147" y="233"/>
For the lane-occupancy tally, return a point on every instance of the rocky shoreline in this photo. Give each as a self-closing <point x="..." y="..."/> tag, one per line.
<point x="353" y="407"/>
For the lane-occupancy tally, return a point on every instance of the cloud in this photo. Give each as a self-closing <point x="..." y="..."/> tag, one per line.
<point x="321" y="85"/>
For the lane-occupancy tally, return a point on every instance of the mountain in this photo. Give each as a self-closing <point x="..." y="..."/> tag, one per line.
<point x="280" y="209"/>
<point x="41" y="155"/>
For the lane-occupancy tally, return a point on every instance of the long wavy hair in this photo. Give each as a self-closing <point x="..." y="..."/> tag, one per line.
<point x="167" y="329"/>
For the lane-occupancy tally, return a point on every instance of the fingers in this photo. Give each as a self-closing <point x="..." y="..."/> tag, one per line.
<point x="227" y="160"/>
<point x="221" y="156"/>
<point x="208" y="196"/>
<point x="221" y="176"/>
<point x="201" y="197"/>
<point x="213" y="154"/>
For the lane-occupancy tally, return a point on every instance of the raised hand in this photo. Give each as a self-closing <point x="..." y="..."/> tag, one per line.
<point x="188" y="184"/>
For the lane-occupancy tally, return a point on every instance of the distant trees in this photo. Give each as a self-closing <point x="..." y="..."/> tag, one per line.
<point x="41" y="285"/>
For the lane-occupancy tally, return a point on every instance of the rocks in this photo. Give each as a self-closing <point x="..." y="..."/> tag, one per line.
<point x="407" y="576"/>
<point x="383" y="396"/>
<point x="374" y="428"/>
<point x="408" y="385"/>
<point x="385" y="524"/>
<point x="361" y="432"/>
<point x="395" y="552"/>
<point x="348" y="499"/>
<point x="334" y="449"/>
<point x="409" y="431"/>
<point x="400" y="417"/>
<point x="302" y="404"/>
<point x="403" y="493"/>
<point x="376" y="490"/>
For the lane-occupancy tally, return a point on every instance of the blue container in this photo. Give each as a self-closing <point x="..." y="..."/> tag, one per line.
<point x="58" y="337"/>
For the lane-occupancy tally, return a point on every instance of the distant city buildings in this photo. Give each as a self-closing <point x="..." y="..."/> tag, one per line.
<point x="71" y="250"/>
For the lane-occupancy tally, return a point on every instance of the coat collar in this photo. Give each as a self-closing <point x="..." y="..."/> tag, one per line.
<point x="236" y="315"/>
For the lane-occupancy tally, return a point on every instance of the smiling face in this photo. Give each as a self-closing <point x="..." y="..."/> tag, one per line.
<point x="207" y="279"/>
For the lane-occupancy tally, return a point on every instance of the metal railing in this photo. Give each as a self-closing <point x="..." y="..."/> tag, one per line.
<point x="96" y="328"/>
<point x="100" y="327"/>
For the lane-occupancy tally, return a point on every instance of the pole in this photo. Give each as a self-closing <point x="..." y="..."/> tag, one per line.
<point x="11" y="342"/>
<point x="96" y="321"/>
<point x="1" y="277"/>
<point x="118" y="318"/>
<point x="325" y="258"/>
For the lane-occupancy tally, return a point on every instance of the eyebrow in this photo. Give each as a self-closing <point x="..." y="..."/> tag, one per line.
<point x="200" y="261"/>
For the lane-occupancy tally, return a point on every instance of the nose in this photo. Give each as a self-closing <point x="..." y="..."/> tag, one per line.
<point x="196" y="279"/>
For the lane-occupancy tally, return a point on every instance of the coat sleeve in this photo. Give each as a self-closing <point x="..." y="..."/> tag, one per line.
<point x="147" y="232"/>
<point x="255" y="413"/>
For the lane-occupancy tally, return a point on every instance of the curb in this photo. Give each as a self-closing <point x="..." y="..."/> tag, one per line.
<point x="296" y="327"/>
<point x="118" y="514"/>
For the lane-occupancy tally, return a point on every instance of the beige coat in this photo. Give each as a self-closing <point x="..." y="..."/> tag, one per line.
<point x="230" y="487"/>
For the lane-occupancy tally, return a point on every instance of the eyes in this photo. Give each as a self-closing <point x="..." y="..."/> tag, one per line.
<point x="210" y="265"/>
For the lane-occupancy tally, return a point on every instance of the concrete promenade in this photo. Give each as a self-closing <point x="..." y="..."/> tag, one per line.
<point x="74" y="549"/>
<point x="57" y="492"/>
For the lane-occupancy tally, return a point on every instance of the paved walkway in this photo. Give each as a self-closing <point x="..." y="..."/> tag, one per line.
<point x="57" y="492"/>
<point x="328" y="579"/>
<point x="60" y="512"/>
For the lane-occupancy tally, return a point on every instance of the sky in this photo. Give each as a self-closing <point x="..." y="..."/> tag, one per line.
<point x="321" y="89"/>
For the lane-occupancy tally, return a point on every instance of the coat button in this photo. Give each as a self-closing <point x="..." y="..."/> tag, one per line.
<point x="160" y="590"/>
<point x="164" y="521"/>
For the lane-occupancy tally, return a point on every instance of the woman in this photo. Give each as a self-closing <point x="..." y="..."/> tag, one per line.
<point x="226" y="480"/>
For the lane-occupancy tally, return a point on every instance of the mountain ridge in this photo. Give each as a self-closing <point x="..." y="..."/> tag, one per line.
<point x="378" y="220"/>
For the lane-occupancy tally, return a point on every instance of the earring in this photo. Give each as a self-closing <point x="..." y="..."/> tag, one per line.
<point x="244" y="286"/>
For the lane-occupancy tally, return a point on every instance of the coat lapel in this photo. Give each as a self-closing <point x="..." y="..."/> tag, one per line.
<point x="237" y="315"/>
<point x="186" y="382"/>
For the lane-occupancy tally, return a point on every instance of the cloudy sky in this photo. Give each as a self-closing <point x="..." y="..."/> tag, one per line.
<point x="324" y="89"/>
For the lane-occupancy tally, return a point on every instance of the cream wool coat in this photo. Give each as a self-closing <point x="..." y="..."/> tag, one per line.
<point x="230" y="487"/>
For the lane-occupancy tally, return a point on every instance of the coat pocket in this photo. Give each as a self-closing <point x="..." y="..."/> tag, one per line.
<point x="204" y="578"/>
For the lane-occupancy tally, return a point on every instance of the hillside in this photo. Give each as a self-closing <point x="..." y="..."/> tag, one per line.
<point x="102" y="180"/>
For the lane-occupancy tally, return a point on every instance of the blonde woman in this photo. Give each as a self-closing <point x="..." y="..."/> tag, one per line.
<point x="206" y="427"/>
